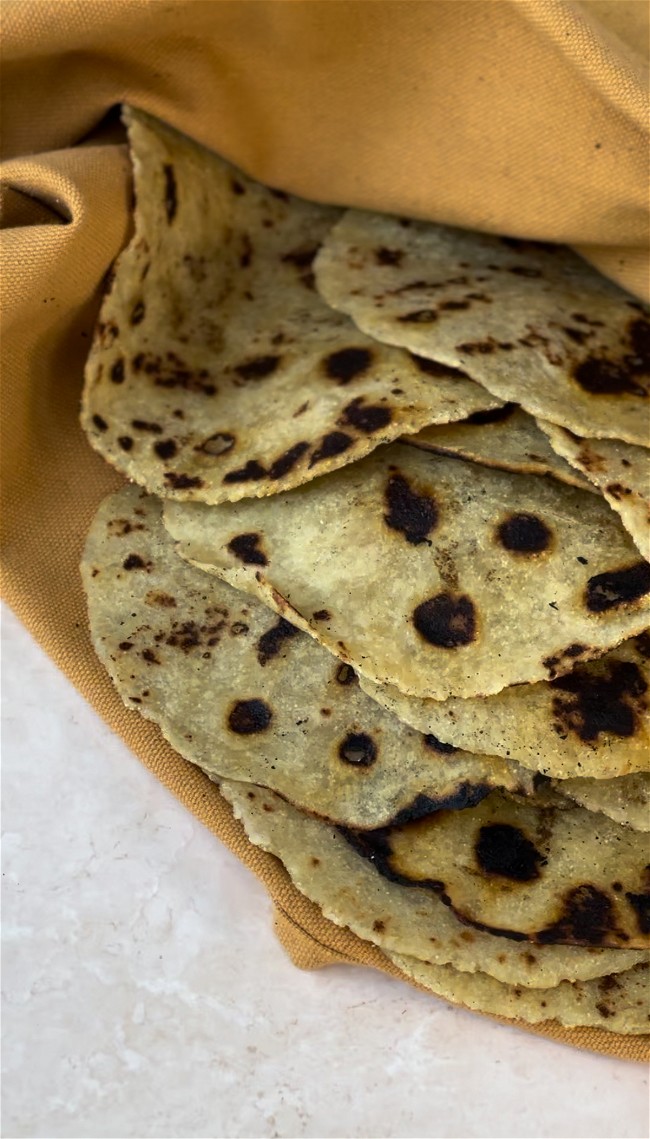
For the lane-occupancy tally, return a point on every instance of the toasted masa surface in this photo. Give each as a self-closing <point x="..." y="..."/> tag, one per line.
<point x="510" y="867"/>
<point x="534" y="323"/>
<point x="626" y="799"/>
<point x="620" y="471"/>
<point x="618" y="1003"/>
<point x="429" y="568"/>
<point x="244" y="694"/>
<point x="505" y="437"/>
<point x="593" y="723"/>
<point x="399" y="919"/>
<point x="217" y="372"/>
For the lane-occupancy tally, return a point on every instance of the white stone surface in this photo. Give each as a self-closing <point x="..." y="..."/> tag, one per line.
<point x="144" y="993"/>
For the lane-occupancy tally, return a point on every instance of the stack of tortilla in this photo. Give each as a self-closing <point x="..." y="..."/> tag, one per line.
<point x="381" y="570"/>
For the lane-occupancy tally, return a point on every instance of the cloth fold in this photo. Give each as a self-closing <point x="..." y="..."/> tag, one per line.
<point x="517" y="117"/>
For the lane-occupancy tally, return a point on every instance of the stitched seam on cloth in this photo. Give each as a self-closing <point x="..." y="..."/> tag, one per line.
<point x="345" y="958"/>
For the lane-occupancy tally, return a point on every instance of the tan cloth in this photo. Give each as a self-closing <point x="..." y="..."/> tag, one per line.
<point x="522" y="118"/>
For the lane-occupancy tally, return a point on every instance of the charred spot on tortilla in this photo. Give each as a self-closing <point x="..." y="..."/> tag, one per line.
<point x="347" y="363"/>
<point x="134" y="561"/>
<point x="160" y="599"/>
<point x="272" y="641"/>
<point x="640" y="903"/>
<point x="384" y="256"/>
<point x="365" y="417"/>
<point x="617" y="587"/>
<point x="524" y="534"/>
<point x="578" y="335"/>
<point x="177" y="480"/>
<point x="601" y="376"/>
<point x="453" y="306"/>
<point x="617" y="490"/>
<point x="165" y="448"/>
<point x="480" y="347"/>
<point x="282" y="465"/>
<point x="252" y="470"/>
<point x="100" y="423"/>
<point x="557" y="663"/>
<point x="590" y="704"/>
<point x="334" y="443"/>
<point x="413" y="515"/>
<point x="248" y="717"/>
<point x="419" y="316"/>
<point x="359" y="749"/>
<point x="446" y="620"/>
<point x="465" y="795"/>
<point x="171" y="194"/>
<point x="246" y="547"/>
<point x="189" y="635"/>
<point x="258" y="368"/>
<point x="604" y="375"/>
<point x="125" y="442"/>
<point x="587" y="918"/>
<point x="117" y="372"/>
<point x="137" y="313"/>
<point x="505" y="850"/>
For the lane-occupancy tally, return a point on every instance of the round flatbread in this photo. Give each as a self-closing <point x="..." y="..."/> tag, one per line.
<point x="620" y="471"/>
<point x="518" y="870"/>
<point x="440" y="577"/>
<point x="217" y="372"/>
<point x="401" y="919"/>
<point x="534" y="323"/>
<point x="618" y="1003"/>
<point x="244" y="694"/>
<point x="506" y="438"/>
<point x="626" y="800"/>
<point x="593" y="723"/>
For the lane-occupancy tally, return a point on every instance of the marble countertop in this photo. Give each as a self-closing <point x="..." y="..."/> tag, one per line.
<point x="145" y="995"/>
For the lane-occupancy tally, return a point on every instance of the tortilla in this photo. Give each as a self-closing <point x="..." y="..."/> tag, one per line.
<point x="400" y="919"/>
<point x="592" y="723"/>
<point x="534" y="323"/>
<point x="423" y="571"/>
<point x="618" y="1003"/>
<point x="246" y="695"/>
<point x="506" y="438"/>
<point x="626" y="800"/>
<point x="545" y="875"/>
<point x="619" y="470"/>
<point x="216" y="371"/>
